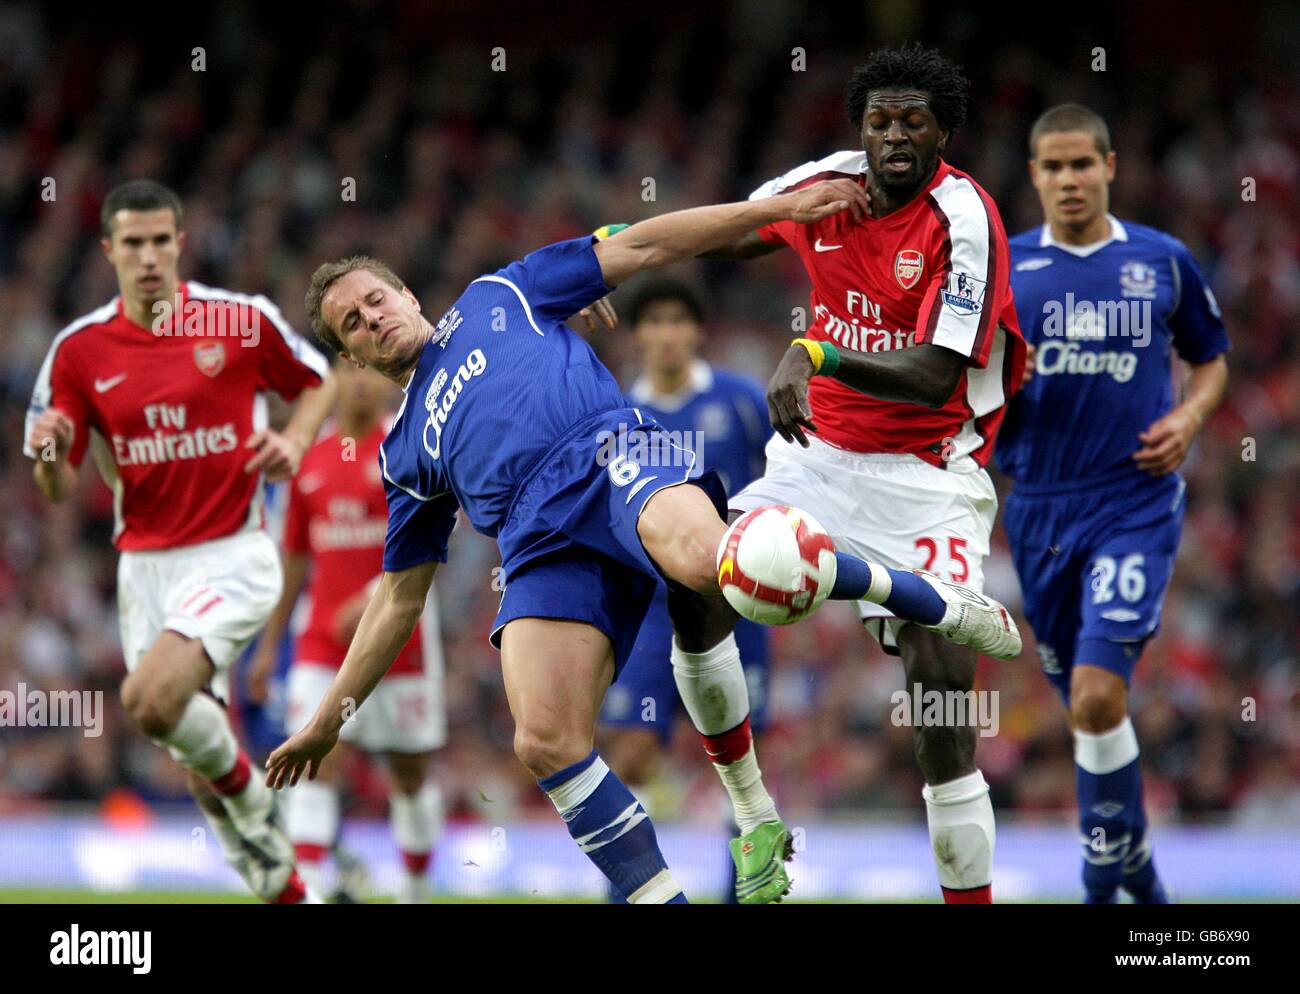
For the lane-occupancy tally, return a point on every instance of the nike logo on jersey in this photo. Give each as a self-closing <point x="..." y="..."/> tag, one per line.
<point x="819" y="247"/>
<point x="103" y="386"/>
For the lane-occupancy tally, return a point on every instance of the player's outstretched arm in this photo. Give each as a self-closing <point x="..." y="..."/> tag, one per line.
<point x="747" y="246"/>
<point x="926" y="375"/>
<point x="386" y="626"/>
<point x="684" y="234"/>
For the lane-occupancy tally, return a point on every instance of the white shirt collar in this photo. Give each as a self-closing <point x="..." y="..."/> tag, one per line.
<point x="698" y="381"/>
<point x="1117" y="234"/>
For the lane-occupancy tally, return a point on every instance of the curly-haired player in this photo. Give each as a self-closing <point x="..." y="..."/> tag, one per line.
<point x="896" y="394"/>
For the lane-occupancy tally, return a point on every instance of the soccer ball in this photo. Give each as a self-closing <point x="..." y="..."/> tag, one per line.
<point x="776" y="565"/>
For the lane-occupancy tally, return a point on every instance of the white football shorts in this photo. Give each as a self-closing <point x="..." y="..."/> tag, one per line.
<point x="889" y="508"/>
<point x="220" y="592"/>
<point x="405" y="713"/>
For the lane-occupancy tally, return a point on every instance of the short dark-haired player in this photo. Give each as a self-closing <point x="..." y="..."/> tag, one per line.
<point x="1094" y="442"/>
<point x="165" y="385"/>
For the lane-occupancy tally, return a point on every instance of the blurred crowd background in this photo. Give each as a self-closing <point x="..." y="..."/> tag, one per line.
<point x="459" y="168"/>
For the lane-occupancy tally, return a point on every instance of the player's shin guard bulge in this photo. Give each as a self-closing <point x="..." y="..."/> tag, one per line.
<point x="1112" y="820"/>
<point x="613" y="830"/>
<point x="713" y="690"/>
<point x="962" y="835"/>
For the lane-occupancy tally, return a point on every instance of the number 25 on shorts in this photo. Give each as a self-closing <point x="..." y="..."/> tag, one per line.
<point x="956" y="548"/>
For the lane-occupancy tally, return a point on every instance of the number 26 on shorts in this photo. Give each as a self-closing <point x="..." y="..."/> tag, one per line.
<point x="1127" y="575"/>
<point x="957" y="561"/>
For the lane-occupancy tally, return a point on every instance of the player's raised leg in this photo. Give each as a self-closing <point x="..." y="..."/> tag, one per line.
<point x="163" y="696"/>
<point x="556" y="673"/>
<point x="957" y="805"/>
<point x="682" y="532"/>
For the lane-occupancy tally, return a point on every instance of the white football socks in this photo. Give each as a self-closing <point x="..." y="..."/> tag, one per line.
<point x="416" y="819"/>
<point x="962" y="832"/>
<point x="1105" y="752"/>
<point x="713" y="689"/>
<point x="712" y="686"/>
<point x="202" y="740"/>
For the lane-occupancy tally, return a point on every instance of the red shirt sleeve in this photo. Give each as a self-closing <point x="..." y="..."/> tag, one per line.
<point x="58" y="386"/>
<point x="775" y="233"/>
<point x="288" y="364"/>
<point x="969" y="287"/>
<point x="297" y="536"/>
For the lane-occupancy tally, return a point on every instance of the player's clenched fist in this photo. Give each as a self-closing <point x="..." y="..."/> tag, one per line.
<point x="52" y="425"/>
<point x="277" y="456"/>
<point x="821" y="200"/>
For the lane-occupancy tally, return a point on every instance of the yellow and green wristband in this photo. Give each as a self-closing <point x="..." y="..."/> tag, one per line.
<point x="825" y="356"/>
<point x="605" y="230"/>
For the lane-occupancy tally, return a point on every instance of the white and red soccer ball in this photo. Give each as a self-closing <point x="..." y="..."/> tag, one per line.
<point x="776" y="565"/>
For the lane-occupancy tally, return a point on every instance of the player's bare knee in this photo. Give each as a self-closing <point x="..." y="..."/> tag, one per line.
<point x="1096" y="709"/>
<point x="547" y="750"/>
<point x="150" y="707"/>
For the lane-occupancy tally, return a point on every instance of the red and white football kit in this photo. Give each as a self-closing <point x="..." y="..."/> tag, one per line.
<point x="337" y="515"/>
<point x="895" y="483"/>
<point x="166" y="413"/>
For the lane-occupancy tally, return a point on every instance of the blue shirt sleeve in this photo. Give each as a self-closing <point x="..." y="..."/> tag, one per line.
<point x="560" y="279"/>
<point x="1197" y="325"/>
<point x="418" y="530"/>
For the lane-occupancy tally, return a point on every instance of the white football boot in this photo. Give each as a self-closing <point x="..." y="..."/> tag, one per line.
<point x="270" y="861"/>
<point x="974" y="620"/>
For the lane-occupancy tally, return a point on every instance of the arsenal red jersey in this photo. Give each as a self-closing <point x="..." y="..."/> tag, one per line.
<point x="337" y="516"/>
<point x="167" y="410"/>
<point x="935" y="271"/>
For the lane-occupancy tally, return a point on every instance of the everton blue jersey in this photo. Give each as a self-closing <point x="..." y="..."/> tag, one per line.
<point x="1104" y="319"/>
<point x="501" y="381"/>
<point x="720" y="416"/>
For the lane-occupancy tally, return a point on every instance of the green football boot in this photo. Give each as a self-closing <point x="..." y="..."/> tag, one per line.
<point x="760" y="856"/>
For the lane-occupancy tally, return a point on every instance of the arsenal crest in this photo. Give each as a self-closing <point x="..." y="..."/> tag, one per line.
<point x="907" y="268"/>
<point x="211" y="359"/>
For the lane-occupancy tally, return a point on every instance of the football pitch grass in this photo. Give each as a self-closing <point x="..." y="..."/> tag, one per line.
<point x="37" y="895"/>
